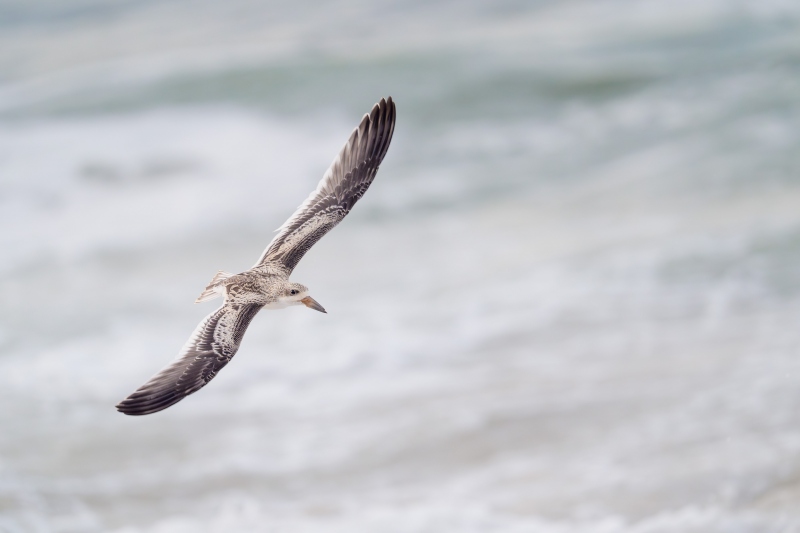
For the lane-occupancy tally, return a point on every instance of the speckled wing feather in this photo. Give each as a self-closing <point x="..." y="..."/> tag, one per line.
<point x="347" y="179"/>
<point x="212" y="345"/>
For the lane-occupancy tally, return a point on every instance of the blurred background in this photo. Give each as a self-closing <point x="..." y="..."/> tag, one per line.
<point x="569" y="302"/>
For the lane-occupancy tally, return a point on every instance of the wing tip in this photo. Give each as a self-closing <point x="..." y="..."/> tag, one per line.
<point x="131" y="407"/>
<point x="383" y="103"/>
<point x="125" y="408"/>
<point x="149" y="398"/>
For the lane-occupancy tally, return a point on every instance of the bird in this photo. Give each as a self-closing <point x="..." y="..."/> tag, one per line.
<point x="266" y="285"/>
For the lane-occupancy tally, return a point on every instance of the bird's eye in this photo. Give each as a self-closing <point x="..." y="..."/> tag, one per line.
<point x="293" y="291"/>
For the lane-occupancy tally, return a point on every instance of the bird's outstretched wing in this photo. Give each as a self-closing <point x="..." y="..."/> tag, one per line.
<point x="346" y="180"/>
<point x="213" y="343"/>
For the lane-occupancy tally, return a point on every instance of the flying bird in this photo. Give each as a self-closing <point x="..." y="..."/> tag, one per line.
<point x="266" y="285"/>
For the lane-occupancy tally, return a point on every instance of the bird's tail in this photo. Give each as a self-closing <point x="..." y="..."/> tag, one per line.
<point x="214" y="288"/>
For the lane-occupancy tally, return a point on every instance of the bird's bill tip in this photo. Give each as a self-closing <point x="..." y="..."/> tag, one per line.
<point x="311" y="303"/>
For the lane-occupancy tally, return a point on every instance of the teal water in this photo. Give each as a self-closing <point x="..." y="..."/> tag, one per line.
<point x="569" y="302"/>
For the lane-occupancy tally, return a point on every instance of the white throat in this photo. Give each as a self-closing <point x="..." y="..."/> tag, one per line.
<point x="286" y="301"/>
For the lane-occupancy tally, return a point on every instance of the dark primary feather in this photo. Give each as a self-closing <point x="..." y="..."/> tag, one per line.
<point x="347" y="179"/>
<point x="212" y="345"/>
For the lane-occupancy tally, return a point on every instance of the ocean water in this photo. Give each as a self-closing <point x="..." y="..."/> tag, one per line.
<point x="570" y="302"/>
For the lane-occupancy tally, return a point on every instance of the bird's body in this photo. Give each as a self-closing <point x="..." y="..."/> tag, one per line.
<point x="266" y="285"/>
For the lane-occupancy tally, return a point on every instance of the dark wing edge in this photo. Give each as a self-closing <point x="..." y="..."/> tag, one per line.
<point x="212" y="345"/>
<point x="343" y="184"/>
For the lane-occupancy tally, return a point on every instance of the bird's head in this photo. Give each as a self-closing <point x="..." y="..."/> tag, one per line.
<point x="296" y="294"/>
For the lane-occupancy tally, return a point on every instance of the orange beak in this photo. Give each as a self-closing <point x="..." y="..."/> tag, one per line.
<point x="311" y="303"/>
